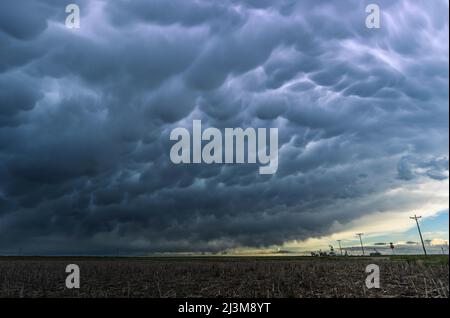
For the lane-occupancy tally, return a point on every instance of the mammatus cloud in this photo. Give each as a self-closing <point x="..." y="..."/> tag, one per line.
<point x="435" y="168"/>
<point x="86" y="114"/>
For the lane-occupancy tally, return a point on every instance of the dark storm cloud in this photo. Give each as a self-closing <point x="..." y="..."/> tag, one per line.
<point x="23" y="22"/>
<point x="18" y="94"/>
<point x="410" y="167"/>
<point x="86" y="114"/>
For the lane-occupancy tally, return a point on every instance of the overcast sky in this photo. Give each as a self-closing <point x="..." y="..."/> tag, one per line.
<point x="86" y="114"/>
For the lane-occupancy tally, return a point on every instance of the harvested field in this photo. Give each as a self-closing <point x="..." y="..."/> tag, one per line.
<point x="224" y="277"/>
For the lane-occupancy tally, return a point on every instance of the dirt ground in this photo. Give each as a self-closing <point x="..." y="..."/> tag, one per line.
<point x="224" y="277"/>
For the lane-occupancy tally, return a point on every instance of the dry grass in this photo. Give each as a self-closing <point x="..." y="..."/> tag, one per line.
<point x="226" y="277"/>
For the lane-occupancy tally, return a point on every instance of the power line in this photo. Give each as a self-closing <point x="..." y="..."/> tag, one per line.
<point x="340" y="247"/>
<point x="360" y="239"/>
<point x="416" y="218"/>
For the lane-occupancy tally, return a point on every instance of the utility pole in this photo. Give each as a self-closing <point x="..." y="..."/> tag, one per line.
<point x="340" y="247"/>
<point x="416" y="218"/>
<point x="360" y="239"/>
